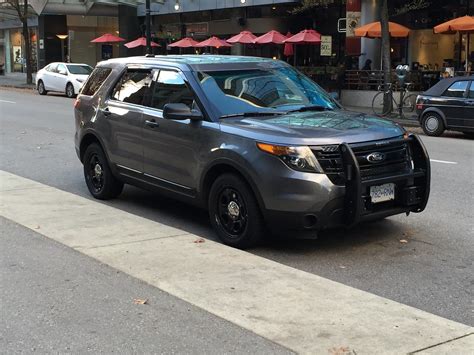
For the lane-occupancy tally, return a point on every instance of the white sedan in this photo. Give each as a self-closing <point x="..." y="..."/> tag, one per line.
<point x="62" y="77"/>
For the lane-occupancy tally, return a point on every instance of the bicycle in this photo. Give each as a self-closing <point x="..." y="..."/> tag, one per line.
<point x="405" y="106"/>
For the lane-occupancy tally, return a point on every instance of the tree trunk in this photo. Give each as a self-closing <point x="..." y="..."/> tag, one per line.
<point x="386" y="64"/>
<point x="26" y="37"/>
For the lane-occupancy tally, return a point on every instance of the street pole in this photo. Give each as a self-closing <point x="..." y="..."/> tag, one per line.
<point x="148" y="26"/>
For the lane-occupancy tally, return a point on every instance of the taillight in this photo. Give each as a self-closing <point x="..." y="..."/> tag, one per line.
<point x="419" y="103"/>
<point x="76" y="103"/>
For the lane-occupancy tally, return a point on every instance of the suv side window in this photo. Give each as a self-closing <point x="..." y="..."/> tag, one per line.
<point x="133" y="86"/>
<point x="169" y="87"/>
<point x="95" y="80"/>
<point x="457" y="89"/>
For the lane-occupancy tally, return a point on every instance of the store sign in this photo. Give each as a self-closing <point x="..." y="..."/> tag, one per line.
<point x="326" y="46"/>
<point x="352" y="21"/>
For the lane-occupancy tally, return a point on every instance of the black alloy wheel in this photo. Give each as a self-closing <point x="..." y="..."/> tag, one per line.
<point x="234" y="212"/>
<point x="102" y="184"/>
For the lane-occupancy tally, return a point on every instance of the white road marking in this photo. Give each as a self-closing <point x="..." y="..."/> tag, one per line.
<point x="301" y="311"/>
<point x="8" y="102"/>
<point x="443" y="161"/>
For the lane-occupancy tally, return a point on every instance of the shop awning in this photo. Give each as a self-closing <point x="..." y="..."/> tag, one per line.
<point x="374" y="30"/>
<point x="108" y="38"/>
<point x="244" y="37"/>
<point x="288" y="50"/>
<point x="305" y="37"/>
<point x="213" y="42"/>
<point x="140" y="42"/>
<point x="270" y="37"/>
<point x="184" y="43"/>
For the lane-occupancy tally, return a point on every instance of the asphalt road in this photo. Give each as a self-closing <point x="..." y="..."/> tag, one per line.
<point x="431" y="271"/>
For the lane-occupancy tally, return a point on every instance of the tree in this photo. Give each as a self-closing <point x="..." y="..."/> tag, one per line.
<point x="21" y="9"/>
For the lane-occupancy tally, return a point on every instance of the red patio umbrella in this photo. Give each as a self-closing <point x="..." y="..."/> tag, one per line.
<point x="244" y="37"/>
<point x="288" y="50"/>
<point x="213" y="42"/>
<point x="270" y="37"/>
<point x="108" y="38"/>
<point x="184" y="43"/>
<point x="140" y="42"/>
<point x="305" y="37"/>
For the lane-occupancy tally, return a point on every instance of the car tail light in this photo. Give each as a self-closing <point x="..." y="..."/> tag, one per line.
<point x="77" y="103"/>
<point x="419" y="103"/>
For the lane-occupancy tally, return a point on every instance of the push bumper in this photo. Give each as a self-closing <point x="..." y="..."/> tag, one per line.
<point x="412" y="191"/>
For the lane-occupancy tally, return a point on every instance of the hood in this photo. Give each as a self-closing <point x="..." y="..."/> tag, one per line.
<point x="313" y="128"/>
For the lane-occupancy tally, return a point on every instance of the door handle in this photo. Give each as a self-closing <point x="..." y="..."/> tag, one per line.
<point x="152" y="123"/>
<point x="106" y="112"/>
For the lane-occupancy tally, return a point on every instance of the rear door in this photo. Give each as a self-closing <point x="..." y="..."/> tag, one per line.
<point x="123" y="114"/>
<point x="453" y="103"/>
<point x="49" y="76"/>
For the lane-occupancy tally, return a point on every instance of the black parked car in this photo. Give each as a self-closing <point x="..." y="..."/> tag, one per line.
<point x="447" y="105"/>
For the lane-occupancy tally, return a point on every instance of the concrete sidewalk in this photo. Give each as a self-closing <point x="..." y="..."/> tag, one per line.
<point x="16" y="80"/>
<point x="302" y="312"/>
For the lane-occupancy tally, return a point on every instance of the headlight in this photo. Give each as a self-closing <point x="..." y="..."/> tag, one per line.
<point x="298" y="158"/>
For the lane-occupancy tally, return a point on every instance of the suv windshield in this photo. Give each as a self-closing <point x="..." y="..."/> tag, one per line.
<point x="79" y="69"/>
<point x="235" y="92"/>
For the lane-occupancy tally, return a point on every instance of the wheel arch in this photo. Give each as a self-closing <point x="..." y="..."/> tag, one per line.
<point x="435" y="110"/>
<point x="86" y="141"/>
<point x="223" y="166"/>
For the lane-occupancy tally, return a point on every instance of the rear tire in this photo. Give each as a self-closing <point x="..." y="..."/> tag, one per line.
<point x="102" y="184"/>
<point x="234" y="212"/>
<point x="378" y="106"/>
<point x="432" y="124"/>
<point x="41" y="88"/>
<point x="70" y="91"/>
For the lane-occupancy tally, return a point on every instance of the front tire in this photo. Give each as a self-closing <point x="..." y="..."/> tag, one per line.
<point x="102" y="184"/>
<point x="70" y="91"/>
<point x="41" y="88"/>
<point x="432" y="124"/>
<point x="234" y="212"/>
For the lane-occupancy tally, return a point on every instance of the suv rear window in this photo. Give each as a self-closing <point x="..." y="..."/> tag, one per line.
<point x="95" y="80"/>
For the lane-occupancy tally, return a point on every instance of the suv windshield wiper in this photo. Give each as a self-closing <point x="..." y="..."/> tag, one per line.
<point x="254" y="114"/>
<point x="312" y="108"/>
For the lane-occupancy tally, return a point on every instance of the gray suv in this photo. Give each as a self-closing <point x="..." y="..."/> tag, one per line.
<point x="254" y="141"/>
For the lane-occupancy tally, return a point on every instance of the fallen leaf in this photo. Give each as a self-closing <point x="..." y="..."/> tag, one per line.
<point x="140" y="301"/>
<point x="342" y="266"/>
<point x="403" y="241"/>
<point x="200" y="240"/>
<point x="37" y="227"/>
<point x="343" y="350"/>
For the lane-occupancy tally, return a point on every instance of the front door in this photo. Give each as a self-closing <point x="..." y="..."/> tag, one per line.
<point x="171" y="147"/>
<point x="469" y="110"/>
<point x="124" y="117"/>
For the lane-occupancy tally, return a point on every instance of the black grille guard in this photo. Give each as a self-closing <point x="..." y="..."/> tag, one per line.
<point x="353" y="210"/>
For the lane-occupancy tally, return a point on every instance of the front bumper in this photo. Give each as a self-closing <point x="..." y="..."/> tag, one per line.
<point x="354" y="205"/>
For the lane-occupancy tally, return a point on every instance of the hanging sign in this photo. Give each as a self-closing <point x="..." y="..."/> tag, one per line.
<point x="326" y="46"/>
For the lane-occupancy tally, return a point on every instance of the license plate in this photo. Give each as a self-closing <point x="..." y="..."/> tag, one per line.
<point x="382" y="193"/>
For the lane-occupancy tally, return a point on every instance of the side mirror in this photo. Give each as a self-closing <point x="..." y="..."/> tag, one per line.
<point x="180" y="112"/>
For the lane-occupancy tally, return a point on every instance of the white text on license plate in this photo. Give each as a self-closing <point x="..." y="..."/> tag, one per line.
<point x="382" y="193"/>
